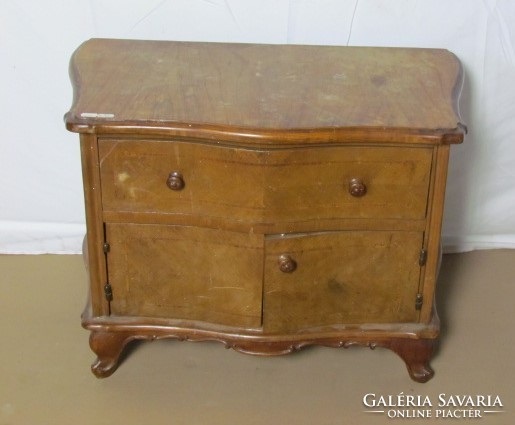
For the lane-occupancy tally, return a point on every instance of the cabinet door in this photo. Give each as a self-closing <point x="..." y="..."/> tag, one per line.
<point x="188" y="273"/>
<point x="333" y="278"/>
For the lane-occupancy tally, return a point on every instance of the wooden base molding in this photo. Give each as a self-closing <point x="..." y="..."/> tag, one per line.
<point x="413" y="343"/>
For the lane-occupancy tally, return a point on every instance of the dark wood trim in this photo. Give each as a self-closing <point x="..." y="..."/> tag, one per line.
<point x="413" y="342"/>
<point x="95" y="235"/>
<point x="263" y="137"/>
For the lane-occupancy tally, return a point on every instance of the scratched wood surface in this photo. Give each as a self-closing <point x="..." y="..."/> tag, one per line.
<point x="225" y="180"/>
<point x="207" y="275"/>
<point x="262" y="90"/>
<point x="264" y="186"/>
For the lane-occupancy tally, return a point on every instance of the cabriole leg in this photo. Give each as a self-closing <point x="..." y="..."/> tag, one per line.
<point x="108" y="346"/>
<point x="416" y="353"/>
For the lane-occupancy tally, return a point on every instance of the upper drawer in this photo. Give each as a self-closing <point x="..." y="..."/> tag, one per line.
<point x="264" y="186"/>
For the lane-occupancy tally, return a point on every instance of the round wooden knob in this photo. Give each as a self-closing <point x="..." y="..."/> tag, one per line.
<point x="357" y="188"/>
<point x="175" y="181"/>
<point x="287" y="264"/>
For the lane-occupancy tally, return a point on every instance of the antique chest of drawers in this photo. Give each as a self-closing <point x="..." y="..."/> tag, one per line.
<point x="268" y="197"/>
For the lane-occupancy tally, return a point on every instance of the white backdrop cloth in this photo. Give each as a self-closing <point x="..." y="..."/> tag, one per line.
<point x="41" y="203"/>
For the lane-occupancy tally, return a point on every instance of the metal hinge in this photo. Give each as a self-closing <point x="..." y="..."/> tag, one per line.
<point x="106" y="247"/>
<point x="422" y="257"/>
<point x="419" y="301"/>
<point x="108" y="291"/>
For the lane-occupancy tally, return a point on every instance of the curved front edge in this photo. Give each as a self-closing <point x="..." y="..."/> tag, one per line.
<point x="108" y="345"/>
<point x="413" y="342"/>
<point x="416" y="353"/>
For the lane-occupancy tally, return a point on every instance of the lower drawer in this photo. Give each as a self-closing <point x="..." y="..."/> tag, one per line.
<point x="335" y="278"/>
<point x="186" y="273"/>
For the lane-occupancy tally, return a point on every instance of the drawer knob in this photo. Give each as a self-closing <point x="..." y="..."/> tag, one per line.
<point x="357" y="188"/>
<point x="175" y="181"/>
<point x="287" y="264"/>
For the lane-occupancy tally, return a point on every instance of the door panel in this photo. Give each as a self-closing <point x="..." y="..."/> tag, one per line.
<point x="186" y="273"/>
<point x="341" y="278"/>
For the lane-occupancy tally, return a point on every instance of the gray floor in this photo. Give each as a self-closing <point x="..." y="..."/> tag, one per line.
<point x="45" y="357"/>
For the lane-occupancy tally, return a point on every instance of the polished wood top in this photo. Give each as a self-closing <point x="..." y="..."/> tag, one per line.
<point x="266" y="93"/>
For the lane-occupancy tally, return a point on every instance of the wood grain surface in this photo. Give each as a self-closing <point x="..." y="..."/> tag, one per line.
<point x="264" y="186"/>
<point x="269" y="197"/>
<point x="250" y="91"/>
<point x="341" y="277"/>
<point x="186" y="272"/>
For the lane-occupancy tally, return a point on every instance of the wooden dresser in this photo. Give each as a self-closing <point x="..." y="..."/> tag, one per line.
<point x="269" y="197"/>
